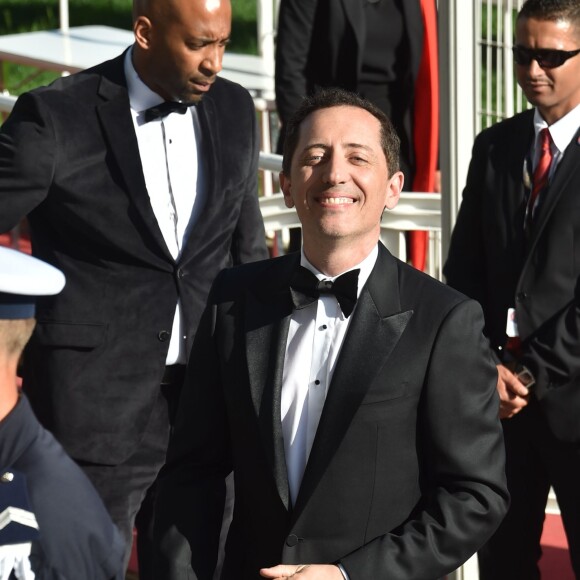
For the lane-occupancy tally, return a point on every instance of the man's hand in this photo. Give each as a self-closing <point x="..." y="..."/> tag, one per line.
<point x="303" y="572"/>
<point x="514" y="396"/>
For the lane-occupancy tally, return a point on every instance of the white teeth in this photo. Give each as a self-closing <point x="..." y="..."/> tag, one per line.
<point x="338" y="200"/>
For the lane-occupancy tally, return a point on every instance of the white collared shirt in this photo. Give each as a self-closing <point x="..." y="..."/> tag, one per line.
<point x="170" y="151"/>
<point x="562" y="132"/>
<point x="314" y="341"/>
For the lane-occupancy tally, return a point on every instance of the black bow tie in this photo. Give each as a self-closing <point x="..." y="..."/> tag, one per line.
<point x="163" y="109"/>
<point x="306" y="288"/>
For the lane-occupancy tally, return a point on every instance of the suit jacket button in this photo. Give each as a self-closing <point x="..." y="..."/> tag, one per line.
<point x="292" y="540"/>
<point x="163" y="335"/>
<point x="521" y="296"/>
<point x="180" y="273"/>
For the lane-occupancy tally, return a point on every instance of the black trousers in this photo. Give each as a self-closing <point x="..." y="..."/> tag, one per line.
<point x="128" y="490"/>
<point x="535" y="460"/>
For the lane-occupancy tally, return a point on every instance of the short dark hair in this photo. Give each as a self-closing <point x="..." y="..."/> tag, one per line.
<point x="334" y="97"/>
<point x="552" y="10"/>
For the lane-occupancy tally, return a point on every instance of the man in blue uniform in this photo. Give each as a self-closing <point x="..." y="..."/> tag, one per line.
<point x="53" y="525"/>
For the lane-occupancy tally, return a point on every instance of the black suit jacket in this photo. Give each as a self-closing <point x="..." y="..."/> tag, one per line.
<point x="405" y="477"/>
<point x="490" y="260"/>
<point x="77" y="538"/>
<point x="320" y="43"/>
<point x="69" y="160"/>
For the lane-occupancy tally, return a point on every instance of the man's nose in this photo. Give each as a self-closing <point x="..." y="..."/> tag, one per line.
<point x="534" y="68"/>
<point x="212" y="60"/>
<point x="335" y="170"/>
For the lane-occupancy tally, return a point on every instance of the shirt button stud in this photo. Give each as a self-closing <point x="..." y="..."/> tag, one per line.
<point x="163" y="335"/>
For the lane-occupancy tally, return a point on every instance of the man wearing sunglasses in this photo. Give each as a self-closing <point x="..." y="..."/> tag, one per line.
<point x="516" y="249"/>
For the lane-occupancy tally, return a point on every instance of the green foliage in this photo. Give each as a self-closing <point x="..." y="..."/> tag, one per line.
<point x="244" y="23"/>
<point x="29" y="15"/>
<point x="24" y="16"/>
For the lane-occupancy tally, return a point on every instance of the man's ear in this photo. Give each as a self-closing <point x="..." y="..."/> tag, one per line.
<point x="286" y="190"/>
<point x="142" y="29"/>
<point x="394" y="188"/>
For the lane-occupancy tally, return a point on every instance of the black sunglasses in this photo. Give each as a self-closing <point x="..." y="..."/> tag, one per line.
<point x="545" y="57"/>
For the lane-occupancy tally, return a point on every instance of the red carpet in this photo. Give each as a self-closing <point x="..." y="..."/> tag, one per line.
<point x="555" y="563"/>
<point x="133" y="566"/>
<point x="23" y="243"/>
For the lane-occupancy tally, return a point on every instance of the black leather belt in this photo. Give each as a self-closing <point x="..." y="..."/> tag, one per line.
<point x="173" y="375"/>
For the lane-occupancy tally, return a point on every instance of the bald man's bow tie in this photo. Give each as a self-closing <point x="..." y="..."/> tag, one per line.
<point x="164" y="109"/>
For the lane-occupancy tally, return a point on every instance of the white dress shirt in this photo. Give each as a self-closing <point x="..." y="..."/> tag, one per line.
<point x="562" y="132"/>
<point x="314" y="341"/>
<point x="170" y="151"/>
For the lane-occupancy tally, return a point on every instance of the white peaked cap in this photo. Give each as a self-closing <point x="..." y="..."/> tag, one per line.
<point x="22" y="279"/>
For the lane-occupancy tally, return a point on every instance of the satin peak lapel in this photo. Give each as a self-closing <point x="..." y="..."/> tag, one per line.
<point x="267" y="322"/>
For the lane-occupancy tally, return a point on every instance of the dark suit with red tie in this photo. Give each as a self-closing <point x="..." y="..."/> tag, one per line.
<point x="493" y="260"/>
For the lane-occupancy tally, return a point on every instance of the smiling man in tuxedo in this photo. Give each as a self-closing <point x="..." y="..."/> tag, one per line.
<point x="352" y="396"/>
<point x="139" y="181"/>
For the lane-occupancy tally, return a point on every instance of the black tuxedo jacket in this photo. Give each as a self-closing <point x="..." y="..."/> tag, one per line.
<point x="320" y="43"/>
<point x="491" y="261"/>
<point x="69" y="160"/>
<point x="405" y="477"/>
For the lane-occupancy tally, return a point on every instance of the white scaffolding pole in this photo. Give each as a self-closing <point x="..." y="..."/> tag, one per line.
<point x="266" y="20"/>
<point x="457" y="59"/>
<point x="63" y="15"/>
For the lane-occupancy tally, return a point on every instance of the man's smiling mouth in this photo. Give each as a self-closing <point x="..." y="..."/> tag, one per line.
<point x="337" y="200"/>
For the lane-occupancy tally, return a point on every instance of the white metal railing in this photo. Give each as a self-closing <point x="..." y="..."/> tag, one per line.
<point x="457" y="89"/>
<point x="415" y="211"/>
<point x="497" y="95"/>
<point x="267" y="11"/>
<point x="6" y="102"/>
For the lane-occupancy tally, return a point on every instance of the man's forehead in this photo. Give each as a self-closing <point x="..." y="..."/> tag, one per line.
<point x="345" y="111"/>
<point x="556" y="26"/>
<point x="348" y="123"/>
<point x="204" y="14"/>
